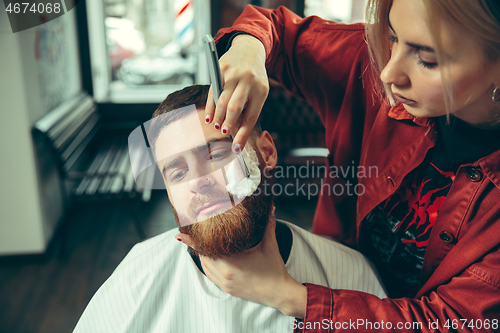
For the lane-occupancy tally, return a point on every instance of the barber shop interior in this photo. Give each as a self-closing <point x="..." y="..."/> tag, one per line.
<point x="233" y="166"/>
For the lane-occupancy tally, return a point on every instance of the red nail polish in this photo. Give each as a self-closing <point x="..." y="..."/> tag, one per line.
<point x="224" y="131"/>
<point x="207" y="119"/>
<point x="179" y="239"/>
<point x="217" y="126"/>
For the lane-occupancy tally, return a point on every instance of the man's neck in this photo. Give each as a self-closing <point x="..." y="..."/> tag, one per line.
<point x="283" y="237"/>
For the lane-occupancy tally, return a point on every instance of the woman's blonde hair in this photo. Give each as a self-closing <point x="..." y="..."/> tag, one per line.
<point x="480" y="17"/>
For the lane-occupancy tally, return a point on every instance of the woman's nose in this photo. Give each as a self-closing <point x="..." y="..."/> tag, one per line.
<point x="395" y="71"/>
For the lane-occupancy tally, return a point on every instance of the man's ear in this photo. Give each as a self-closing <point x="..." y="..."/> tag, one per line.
<point x="267" y="149"/>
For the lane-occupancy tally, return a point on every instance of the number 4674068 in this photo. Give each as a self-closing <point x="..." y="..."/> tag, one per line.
<point x="22" y="8"/>
<point x="478" y="323"/>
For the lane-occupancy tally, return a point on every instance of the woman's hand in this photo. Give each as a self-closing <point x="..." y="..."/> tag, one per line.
<point x="246" y="87"/>
<point x="258" y="275"/>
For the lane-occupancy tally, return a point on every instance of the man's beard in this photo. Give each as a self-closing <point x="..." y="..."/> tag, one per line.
<point x="233" y="231"/>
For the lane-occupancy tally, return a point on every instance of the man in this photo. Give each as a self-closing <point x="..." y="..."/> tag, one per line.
<point x="219" y="202"/>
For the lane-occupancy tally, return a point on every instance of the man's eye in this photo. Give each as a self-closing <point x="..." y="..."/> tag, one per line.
<point x="177" y="175"/>
<point x="219" y="154"/>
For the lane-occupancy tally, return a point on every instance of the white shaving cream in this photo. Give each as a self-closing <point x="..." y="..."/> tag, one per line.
<point x="246" y="186"/>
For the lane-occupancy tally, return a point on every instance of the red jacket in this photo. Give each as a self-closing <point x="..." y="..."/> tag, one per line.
<point x="327" y="64"/>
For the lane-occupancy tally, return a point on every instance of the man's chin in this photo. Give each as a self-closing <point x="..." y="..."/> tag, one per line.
<point x="231" y="232"/>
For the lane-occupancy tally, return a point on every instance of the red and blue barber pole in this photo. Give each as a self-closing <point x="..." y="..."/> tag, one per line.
<point x="184" y="22"/>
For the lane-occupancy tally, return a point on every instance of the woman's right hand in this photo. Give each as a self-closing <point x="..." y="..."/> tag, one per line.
<point x="246" y="86"/>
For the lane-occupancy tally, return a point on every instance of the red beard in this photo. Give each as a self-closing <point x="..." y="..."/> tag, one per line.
<point x="233" y="231"/>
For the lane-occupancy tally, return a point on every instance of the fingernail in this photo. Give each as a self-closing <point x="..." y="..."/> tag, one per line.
<point x="179" y="239"/>
<point x="273" y="212"/>
<point x="207" y="119"/>
<point x="236" y="148"/>
<point x="225" y="130"/>
<point x="217" y="126"/>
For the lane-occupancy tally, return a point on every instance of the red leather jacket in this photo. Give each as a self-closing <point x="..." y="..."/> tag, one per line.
<point x="327" y="64"/>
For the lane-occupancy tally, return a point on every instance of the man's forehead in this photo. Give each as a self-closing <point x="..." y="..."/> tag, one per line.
<point x="184" y="134"/>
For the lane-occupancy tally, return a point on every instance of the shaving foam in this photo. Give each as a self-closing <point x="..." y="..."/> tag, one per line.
<point x="246" y="186"/>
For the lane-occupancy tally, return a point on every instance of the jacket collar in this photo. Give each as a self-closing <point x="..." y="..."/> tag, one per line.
<point x="398" y="112"/>
<point x="490" y="164"/>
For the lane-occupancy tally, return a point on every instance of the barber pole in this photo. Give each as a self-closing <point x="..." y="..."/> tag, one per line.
<point x="184" y="22"/>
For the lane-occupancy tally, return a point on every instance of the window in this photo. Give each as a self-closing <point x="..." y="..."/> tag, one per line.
<point x="141" y="50"/>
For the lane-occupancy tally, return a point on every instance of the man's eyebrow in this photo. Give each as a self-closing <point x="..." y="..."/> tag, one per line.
<point x="215" y="140"/>
<point x="179" y="160"/>
<point x="418" y="47"/>
<point x="223" y="139"/>
<point x="209" y="142"/>
<point x="171" y="164"/>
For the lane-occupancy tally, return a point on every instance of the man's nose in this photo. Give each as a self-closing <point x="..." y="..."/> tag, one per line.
<point x="395" y="72"/>
<point x="202" y="184"/>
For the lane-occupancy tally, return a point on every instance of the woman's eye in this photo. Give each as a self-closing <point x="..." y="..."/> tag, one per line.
<point x="393" y="39"/>
<point x="429" y="64"/>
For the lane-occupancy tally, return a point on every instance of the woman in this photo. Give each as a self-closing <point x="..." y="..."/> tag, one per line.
<point x="429" y="218"/>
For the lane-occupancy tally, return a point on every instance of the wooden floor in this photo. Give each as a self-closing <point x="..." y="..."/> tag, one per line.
<point x="49" y="295"/>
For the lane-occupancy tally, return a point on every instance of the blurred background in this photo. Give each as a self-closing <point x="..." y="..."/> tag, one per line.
<point x="71" y="91"/>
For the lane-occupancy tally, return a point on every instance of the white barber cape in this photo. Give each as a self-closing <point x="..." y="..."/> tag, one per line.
<point x="158" y="288"/>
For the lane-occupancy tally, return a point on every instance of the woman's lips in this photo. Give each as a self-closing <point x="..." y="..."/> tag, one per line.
<point x="403" y="100"/>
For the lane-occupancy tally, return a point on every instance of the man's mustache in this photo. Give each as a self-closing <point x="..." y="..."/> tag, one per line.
<point x="200" y="200"/>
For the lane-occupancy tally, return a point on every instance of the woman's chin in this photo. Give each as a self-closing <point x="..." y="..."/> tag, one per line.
<point x="418" y="111"/>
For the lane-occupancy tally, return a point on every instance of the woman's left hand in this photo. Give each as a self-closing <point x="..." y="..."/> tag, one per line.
<point x="258" y="275"/>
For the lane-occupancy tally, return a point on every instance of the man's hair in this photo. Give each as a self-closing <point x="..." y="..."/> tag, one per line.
<point x="196" y="94"/>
